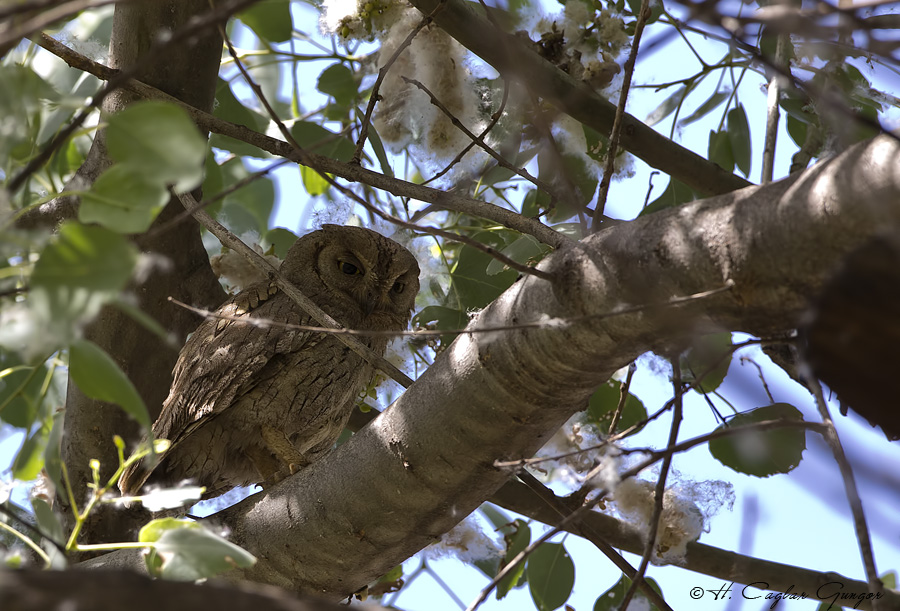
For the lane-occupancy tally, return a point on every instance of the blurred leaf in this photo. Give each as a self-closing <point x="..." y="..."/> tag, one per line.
<point x="30" y="459"/>
<point x="761" y="453"/>
<point x="562" y="171"/>
<point x="522" y="250"/>
<point x="99" y="377"/>
<point x="516" y="542"/>
<point x="708" y="106"/>
<point x="551" y="576"/>
<point x="441" y="318"/>
<point x="498" y="519"/>
<point x="185" y="551"/>
<point x="675" y="194"/>
<point x="668" y="105"/>
<point x="47" y="520"/>
<point x="270" y="19"/>
<point x="613" y="597"/>
<point x="739" y="135"/>
<point x="23" y="93"/>
<point x="710" y="355"/>
<point x="231" y="109"/>
<point x="52" y="458"/>
<point x="380" y="153"/>
<point x="123" y="200"/>
<point x="338" y="82"/>
<point x="719" y="150"/>
<point x="602" y="407"/>
<point x="316" y="139"/>
<point x="314" y="183"/>
<point x="79" y="269"/>
<point x="20" y="390"/>
<point x="249" y="208"/>
<point x="280" y="239"/>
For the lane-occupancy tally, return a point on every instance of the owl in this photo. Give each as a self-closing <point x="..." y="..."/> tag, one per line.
<point x="252" y="403"/>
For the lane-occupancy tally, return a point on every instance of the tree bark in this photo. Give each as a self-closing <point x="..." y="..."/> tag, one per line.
<point x="178" y="263"/>
<point x="427" y="462"/>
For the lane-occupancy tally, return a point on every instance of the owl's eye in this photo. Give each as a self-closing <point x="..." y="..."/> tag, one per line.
<point x="398" y="287"/>
<point x="348" y="268"/>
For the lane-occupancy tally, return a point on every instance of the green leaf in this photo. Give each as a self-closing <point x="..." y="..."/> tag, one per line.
<point x="573" y="170"/>
<point x="613" y="597"/>
<point x="79" y="269"/>
<point x="316" y="139"/>
<point x="20" y="390"/>
<point x="185" y="551"/>
<point x="47" y="520"/>
<point x="709" y="355"/>
<point x="160" y="140"/>
<point x="30" y="459"/>
<point x="270" y="19"/>
<point x="314" y="183"/>
<point x="441" y="318"/>
<point x="279" y="239"/>
<point x="123" y="199"/>
<point x="707" y="107"/>
<point x="23" y="93"/>
<point x="228" y="107"/>
<point x="719" y="150"/>
<point x="796" y="130"/>
<point x="469" y="280"/>
<point x="380" y="153"/>
<point x="516" y="542"/>
<point x="248" y="208"/>
<point x="551" y="576"/>
<point x="523" y="250"/>
<point x="52" y="457"/>
<point x="675" y="194"/>
<point x="99" y="377"/>
<point x="668" y="105"/>
<point x="739" y="135"/>
<point x="602" y="407"/>
<point x="761" y="453"/>
<point x="338" y="82"/>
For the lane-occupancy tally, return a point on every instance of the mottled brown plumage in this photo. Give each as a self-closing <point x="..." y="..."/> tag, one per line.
<point x="251" y="404"/>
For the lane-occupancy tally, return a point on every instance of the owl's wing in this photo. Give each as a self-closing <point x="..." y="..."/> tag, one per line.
<point x="219" y="361"/>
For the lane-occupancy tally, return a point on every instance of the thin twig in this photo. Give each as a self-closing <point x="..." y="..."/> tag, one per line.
<point x="121" y="77"/>
<point x="525" y="269"/>
<point x="616" y="132"/>
<point x="478" y="140"/>
<point x="400" y="188"/>
<point x="382" y="73"/>
<point x="549" y="323"/>
<point x="549" y="497"/>
<point x="773" y="111"/>
<point x="623" y="397"/>
<point x="660" y="493"/>
<point x="259" y="262"/>
<point x="859" y="517"/>
<point x="495" y="118"/>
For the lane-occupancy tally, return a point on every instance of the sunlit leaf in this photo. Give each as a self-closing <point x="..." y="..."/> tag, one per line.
<point x="160" y="140"/>
<point x="761" y="453"/>
<point x="123" y="200"/>
<point x="185" y="551"/>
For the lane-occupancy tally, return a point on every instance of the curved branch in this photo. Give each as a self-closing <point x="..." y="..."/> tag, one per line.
<point x="427" y="461"/>
<point x="511" y="57"/>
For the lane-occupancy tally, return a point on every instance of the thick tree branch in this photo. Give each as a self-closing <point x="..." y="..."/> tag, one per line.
<point x="512" y="58"/>
<point x="427" y="461"/>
